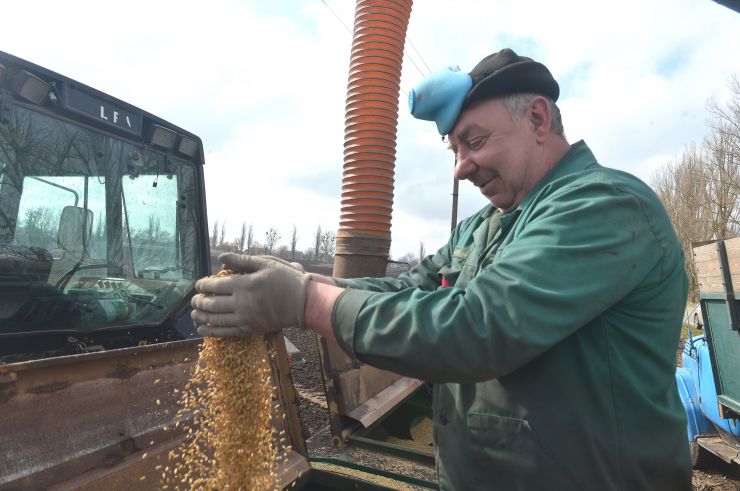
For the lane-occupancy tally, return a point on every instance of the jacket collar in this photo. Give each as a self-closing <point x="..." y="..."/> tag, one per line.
<point x="576" y="159"/>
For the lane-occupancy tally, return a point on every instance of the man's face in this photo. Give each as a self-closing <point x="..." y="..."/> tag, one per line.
<point x="495" y="153"/>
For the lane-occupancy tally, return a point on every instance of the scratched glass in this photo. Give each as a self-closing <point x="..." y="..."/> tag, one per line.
<point x="95" y="232"/>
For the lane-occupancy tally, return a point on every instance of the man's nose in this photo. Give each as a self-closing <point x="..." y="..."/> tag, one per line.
<point x="464" y="166"/>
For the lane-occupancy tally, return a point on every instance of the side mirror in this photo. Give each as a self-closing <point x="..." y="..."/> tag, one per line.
<point x="75" y="229"/>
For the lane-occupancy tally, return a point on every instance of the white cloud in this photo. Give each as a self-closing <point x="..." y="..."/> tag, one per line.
<point x="264" y="85"/>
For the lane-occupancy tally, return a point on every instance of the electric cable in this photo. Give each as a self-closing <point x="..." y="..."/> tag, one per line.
<point x="405" y="52"/>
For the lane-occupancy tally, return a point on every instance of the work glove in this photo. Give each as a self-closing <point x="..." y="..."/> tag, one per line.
<point x="242" y="263"/>
<point x="269" y="296"/>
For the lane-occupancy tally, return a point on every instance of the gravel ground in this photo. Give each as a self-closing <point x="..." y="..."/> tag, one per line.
<point x="307" y="380"/>
<point x="310" y="387"/>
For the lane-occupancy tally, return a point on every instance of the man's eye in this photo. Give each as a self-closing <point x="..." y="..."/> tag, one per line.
<point x="477" y="143"/>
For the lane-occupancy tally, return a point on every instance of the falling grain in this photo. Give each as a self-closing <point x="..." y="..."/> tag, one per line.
<point x="230" y="442"/>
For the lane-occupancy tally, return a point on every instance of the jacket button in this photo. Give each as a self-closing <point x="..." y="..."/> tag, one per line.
<point x="443" y="420"/>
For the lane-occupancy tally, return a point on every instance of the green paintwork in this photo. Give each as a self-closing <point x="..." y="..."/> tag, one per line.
<point x="724" y="346"/>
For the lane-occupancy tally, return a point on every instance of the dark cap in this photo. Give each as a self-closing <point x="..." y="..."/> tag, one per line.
<point x="505" y="73"/>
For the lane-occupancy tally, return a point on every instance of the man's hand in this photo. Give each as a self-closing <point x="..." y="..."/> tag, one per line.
<point x="241" y="263"/>
<point x="269" y="296"/>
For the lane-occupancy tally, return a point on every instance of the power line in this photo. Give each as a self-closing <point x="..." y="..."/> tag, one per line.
<point x="335" y="15"/>
<point x="421" y="72"/>
<point x="414" y="63"/>
<point x="420" y="57"/>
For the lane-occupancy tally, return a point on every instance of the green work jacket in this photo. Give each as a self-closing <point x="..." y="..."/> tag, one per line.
<point x="553" y="350"/>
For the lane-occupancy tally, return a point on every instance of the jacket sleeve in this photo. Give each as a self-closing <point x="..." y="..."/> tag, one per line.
<point x="570" y="262"/>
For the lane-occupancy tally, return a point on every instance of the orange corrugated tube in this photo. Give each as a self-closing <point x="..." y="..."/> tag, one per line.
<point x="371" y="118"/>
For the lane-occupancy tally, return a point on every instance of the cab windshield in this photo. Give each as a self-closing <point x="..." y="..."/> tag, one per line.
<point x="95" y="232"/>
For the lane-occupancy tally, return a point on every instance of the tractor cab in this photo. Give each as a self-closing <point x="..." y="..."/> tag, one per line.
<point x="102" y="219"/>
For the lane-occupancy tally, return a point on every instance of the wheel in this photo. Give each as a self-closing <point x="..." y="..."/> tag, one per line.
<point x="700" y="456"/>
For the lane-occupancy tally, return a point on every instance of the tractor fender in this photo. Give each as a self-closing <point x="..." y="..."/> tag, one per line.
<point x="697" y="424"/>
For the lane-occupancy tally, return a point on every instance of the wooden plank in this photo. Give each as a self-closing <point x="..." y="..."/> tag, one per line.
<point x="378" y="405"/>
<point x="286" y="393"/>
<point x="333" y="396"/>
<point x="360" y="384"/>
<point x="292" y="467"/>
<point x="708" y="269"/>
<point x="719" y="448"/>
<point x="705" y="252"/>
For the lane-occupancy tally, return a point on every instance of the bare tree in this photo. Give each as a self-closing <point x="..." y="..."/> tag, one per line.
<point x="250" y="239"/>
<point x="293" y="241"/>
<point x="223" y="234"/>
<point x="409" y="258"/>
<point x="282" y="252"/>
<point x="723" y="150"/>
<point x="422" y="250"/>
<point x="723" y="184"/>
<point x="328" y="239"/>
<point x="242" y="238"/>
<point x="701" y="190"/>
<point x="682" y="187"/>
<point x="258" y="248"/>
<point x="99" y="229"/>
<point x="271" y="238"/>
<point x="317" y="244"/>
<point x="39" y="226"/>
<point x="214" y="235"/>
<point x="726" y="119"/>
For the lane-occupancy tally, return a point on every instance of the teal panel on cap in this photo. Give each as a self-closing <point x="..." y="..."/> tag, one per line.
<point x="439" y="97"/>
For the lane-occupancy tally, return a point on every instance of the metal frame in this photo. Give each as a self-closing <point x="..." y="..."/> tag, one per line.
<point x="728" y="407"/>
<point x="729" y="292"/>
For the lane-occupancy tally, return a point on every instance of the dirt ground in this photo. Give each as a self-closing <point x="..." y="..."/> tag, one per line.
<point x="720" y="477"/>
<point x="308" y="383"/>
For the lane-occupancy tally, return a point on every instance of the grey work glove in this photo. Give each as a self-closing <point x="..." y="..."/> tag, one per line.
<point x="269" y="296"/>
<point x="241" y="263"/>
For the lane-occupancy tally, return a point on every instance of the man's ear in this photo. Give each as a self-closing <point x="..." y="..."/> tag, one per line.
<point x="540" y="116"/>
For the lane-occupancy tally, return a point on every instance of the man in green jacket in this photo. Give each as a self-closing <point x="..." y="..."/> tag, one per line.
<point x="552" y="349"/>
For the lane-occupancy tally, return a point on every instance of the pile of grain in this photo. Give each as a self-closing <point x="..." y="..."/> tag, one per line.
<point x="421" y="436"/>
<point x="357" y="475"/>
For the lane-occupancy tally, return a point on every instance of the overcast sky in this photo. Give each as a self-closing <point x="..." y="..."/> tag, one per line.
<point x="263" y="83"/>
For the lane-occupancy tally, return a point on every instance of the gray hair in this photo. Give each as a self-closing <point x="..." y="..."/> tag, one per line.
<point x="516" y="104"/>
